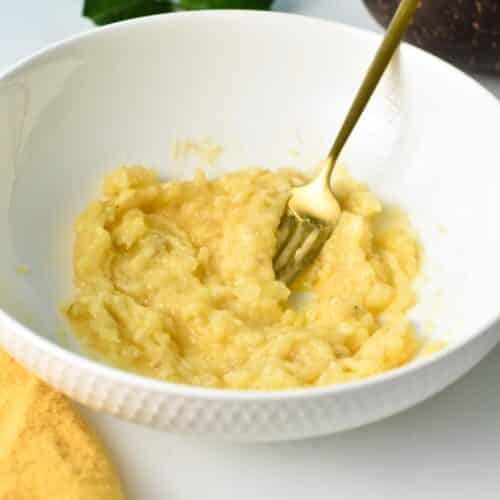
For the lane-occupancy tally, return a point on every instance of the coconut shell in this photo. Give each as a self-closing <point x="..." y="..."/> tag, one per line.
<point x="464" y="32"/>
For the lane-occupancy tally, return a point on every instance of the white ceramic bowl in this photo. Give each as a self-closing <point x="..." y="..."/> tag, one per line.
<point x="264" y="86"/>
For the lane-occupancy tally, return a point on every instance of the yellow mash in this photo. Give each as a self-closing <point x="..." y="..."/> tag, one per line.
<point x="175" y="280"/>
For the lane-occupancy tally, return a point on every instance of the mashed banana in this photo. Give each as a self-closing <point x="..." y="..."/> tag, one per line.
<point x="175" y="280"/>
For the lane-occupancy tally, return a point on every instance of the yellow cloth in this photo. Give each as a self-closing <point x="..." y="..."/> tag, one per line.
<point x="46" y="450"/>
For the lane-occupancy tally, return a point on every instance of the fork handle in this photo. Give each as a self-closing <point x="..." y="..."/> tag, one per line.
<point x="390" y="43"/>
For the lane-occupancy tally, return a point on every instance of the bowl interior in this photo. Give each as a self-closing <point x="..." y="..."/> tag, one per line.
<point x="271" y="90"/>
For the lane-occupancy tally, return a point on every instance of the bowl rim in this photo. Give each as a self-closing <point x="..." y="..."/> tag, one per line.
<point x="146" y="383"/>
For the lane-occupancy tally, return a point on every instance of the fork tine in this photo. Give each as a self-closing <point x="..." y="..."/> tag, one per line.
<point x="295" y="239"/>
<point x="285" y="230"/>
<point x="303" y="242"/>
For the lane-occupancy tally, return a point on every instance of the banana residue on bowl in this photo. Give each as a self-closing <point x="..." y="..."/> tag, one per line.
<point x="175" y="280"/>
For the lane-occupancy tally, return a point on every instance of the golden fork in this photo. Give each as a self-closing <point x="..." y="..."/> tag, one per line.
<point x="312" y="211"/>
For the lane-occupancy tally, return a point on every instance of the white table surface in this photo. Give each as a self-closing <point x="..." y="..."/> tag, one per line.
<point x="446" y="448"/>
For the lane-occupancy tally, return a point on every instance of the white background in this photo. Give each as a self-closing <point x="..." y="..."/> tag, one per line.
<point x="446" y="448"/>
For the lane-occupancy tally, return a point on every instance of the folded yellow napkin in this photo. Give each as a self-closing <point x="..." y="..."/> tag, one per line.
<point x="46" y="450"/>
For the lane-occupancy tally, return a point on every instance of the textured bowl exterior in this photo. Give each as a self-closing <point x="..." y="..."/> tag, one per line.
<point x="252" y="418"/>
<point x="38" y="117"/>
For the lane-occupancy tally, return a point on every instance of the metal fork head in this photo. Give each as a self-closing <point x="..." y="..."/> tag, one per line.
<point x="310" y="216"/>
<point x="299" y="241"/>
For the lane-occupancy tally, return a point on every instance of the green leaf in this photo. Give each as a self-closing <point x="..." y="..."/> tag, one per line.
<point x="110" y="11"/>
<point x="223" y="4"/>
